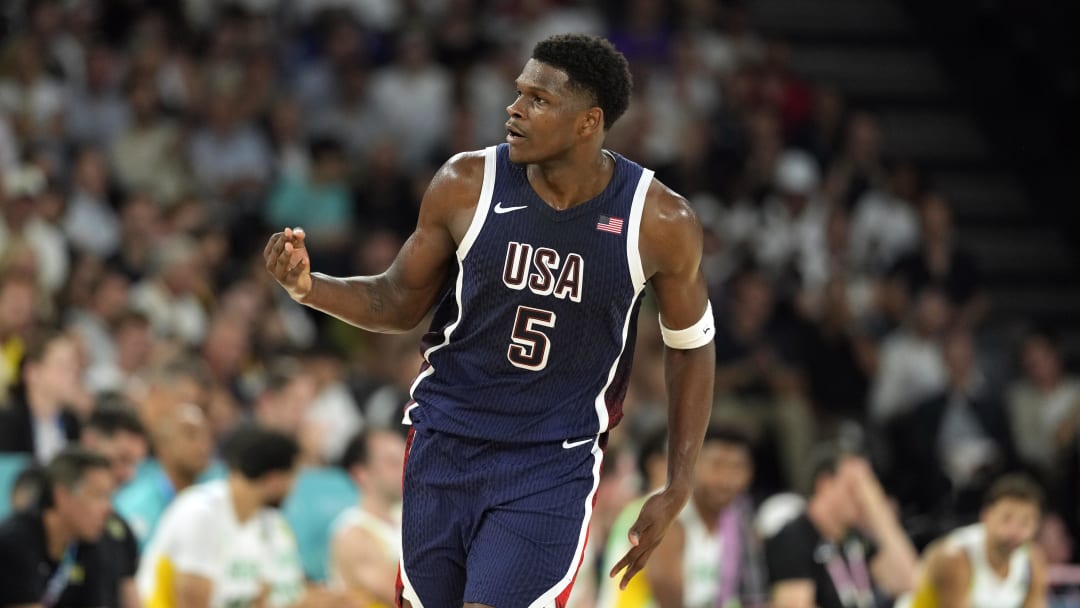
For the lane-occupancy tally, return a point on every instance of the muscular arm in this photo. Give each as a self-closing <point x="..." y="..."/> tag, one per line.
<point x="1037" y="590"/>
<point x="192" y="590"/>
<point x="949" y="572"/>
<point x="796" y="593"/>
<point x="670" y="246"/>
<point x="363" y="566"/>
<point x="397" y="299"/>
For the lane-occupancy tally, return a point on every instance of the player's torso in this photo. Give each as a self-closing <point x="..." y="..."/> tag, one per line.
<point x="250" y="556"/>
<point x="532" y="339"/>
<point x="988" y="590"/>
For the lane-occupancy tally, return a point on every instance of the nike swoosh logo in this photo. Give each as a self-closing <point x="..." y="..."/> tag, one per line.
<point x="500" y="209"/>
<point x="567" y="444"/>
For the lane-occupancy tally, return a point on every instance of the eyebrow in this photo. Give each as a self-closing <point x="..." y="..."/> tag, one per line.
<point x="521" y="87"/>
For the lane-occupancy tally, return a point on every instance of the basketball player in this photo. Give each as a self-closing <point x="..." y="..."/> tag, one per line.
<point x="991" y="564"/>
<point x="543" y="247"/>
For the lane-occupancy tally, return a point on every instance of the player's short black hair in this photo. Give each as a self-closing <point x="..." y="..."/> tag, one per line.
<point x="255" y="451"/>
<point x="112" y="415"/>
<point x="68" y="469"/>
<point x="1016" y="486"/>
<point x="594" y="66"/>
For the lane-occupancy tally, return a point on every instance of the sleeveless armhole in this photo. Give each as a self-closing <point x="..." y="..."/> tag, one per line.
<point x="482" y="205"/>
<point x="633" y="234"/>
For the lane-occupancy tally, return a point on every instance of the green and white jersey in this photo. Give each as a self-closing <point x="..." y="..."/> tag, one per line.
<point x="199" y="534"/>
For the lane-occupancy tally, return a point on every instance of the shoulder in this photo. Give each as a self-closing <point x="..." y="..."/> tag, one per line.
<point x="671" y="233"/>
<point x="947" y="561"/>
<point x="461" y="173"/>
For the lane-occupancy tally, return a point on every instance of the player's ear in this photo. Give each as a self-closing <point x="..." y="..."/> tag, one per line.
<point x="592" y="121"/>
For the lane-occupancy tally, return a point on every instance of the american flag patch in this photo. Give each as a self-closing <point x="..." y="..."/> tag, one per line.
<point x="610" y="224"/>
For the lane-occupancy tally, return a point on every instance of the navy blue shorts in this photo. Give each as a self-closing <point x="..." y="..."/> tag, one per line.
<point x="494" y="523"/>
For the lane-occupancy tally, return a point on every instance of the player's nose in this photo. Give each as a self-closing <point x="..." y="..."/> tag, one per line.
<point x="514" y="109"/>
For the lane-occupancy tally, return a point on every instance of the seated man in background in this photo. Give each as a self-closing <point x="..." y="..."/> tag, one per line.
<point x="993" y="563"/>
<point x="49" y="557"/>
<point x="710" y="556"/>
<point x="822" y="559"/>
<point x="366" y="539"/>
<point x="225" y="543"/>
<point x="183" y="446"/>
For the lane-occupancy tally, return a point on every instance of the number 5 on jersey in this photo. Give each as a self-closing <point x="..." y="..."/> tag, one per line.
<point x="530" y="346"/>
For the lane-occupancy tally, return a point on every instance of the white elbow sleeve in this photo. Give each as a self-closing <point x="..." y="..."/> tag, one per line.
<point x="697" y="335"/>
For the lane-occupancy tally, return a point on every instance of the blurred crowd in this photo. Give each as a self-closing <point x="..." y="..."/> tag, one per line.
<point x="148" y="149"/>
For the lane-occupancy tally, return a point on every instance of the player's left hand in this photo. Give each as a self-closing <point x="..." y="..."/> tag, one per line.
<point x="652" y="523"/>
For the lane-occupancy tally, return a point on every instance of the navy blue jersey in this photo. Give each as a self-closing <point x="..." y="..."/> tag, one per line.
<point x="534" y="340"/>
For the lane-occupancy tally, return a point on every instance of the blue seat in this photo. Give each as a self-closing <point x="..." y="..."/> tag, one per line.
<point x="10" y="467"/>
<point x="317" y="498"/>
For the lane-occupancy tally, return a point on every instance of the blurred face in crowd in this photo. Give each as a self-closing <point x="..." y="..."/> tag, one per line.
<point x="125" y="451"/>
<point x="959" y="356"/>
<point x="838" y="492"/>
<point x="381" y="475"/>
<point x="86" y="506"/>
<point x="56" y="376"/>
<point x="275" y="487"/>
<point x="935" y="219"/>
<point x="1010" y="522"/>
<point x="16" y="305"/>
<point x="931" y="313"/>
<point x="723" y="472"/>
<point x="91" y="174"/>
<point x="184" y="441"/>
<point x="1042" y="364"/>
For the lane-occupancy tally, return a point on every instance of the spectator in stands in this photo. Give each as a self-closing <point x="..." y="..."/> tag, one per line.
<point x="45" y="409"/>
<point x="283" y="405"/>
<point x="334" y="412"/>
<point x="147" y="157"/>
<point x="225" y="543"/>
<point x="711" y="556"/>
<point x="50" y="557"/>
<point x="90" y="223"/>
<point x="912" y="367"/>
<point x="939" y="262"/>
<point x="858" y="168"/>
<point x="366" y="539"/>
<point x="29" y="94"/>
<point x="791" y="239"/>
<point x="93" y="321"/>
<point x="23" y="230"/>
<point x="759" y="386"/>
<point x="95" y="111"/>
<point x="182" y="450"/>
<point x="840" y="359"/>
<point x="320" y="202"/>
<point x="18" y="298"/>
<point x="1044" y="406"/>
<point x="134" y="348"/>
<point x="230" y="159"/>
<point x="950" y="447"/>
<point x="845" y="548"/>
<point x="114" y="431"/>
<point x="885" y="222"/>
<point x="169" y="296"/>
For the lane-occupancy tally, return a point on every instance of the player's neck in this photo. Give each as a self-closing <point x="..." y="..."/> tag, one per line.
<point x="999" y="562"/>
<point x="374" y="504"/>
<point x="58" y="534"/>
<point x="244" y="497"/>
<point x="570" y="181"/>
<point x="180" y="480"/>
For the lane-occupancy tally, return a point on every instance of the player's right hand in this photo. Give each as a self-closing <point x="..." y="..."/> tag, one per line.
<point x="287" y="259"/>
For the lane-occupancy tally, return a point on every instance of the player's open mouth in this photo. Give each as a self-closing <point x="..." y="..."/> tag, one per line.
<point x="513" y="135"/>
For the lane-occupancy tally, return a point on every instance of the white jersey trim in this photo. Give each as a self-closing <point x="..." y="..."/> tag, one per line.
<point x="637" y="276"/>
<point x="549" y="597"/>
<point x="479" y="217"/>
